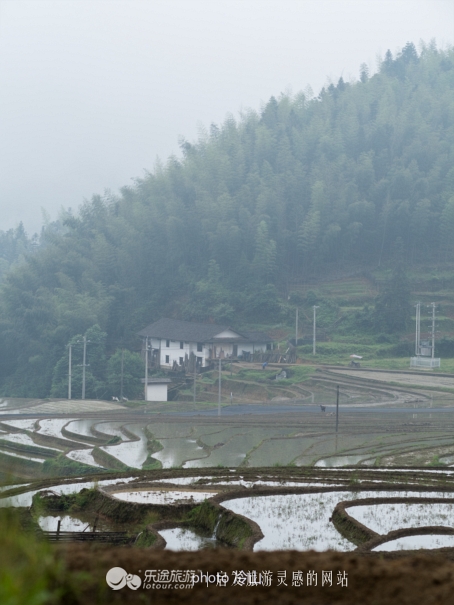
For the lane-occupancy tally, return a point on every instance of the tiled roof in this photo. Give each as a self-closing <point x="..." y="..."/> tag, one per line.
<point x="188" y="331"/>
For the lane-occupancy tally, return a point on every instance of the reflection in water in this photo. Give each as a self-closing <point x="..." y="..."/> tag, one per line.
<point x="163" y="496"/>
<point x="53" y="426"/>
<point x="383" y="518"/>
<point x="182" y="538"/>
<point x="176" y="451"/>
<point x="428" y="541"/>
<point x="84" y="456"/>
<point x="25" y="499"/>
<point x="131" y="453"/>
<point x="335" y="461"/>
<point x="67" y="523"/>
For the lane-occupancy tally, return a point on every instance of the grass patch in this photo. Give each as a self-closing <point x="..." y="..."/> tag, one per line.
<point x="42" y="503"/>
<point x="61" y="466"/>
<point x="145" y="539"/>
<point x="28" y="449"/>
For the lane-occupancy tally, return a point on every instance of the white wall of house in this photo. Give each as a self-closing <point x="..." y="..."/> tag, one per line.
<point x="175" y="350"/>
<point x="157" y="392"/>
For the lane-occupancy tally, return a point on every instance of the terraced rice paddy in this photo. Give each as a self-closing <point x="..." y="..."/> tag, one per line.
<point x="239" y="453"/>
<point x="299" y="520"/>
<point x="177" y="451"/>
<point x="336" y="461"/>
<point x="20" y="456"/>
<point x="292" y="521"/>
<point x="302" y="521"/>
<point x="110" y="428"/>
<point x="194" y="445"/>
<point x="84" y="456"/>
<point x="52" y="426"/>
<point x="26" y="424"/>
<point x="18" y="438"/>
<point x="422" y="541"/>
<point x="383" y="518"/>
<point x="133" y="453"/>
<point x="162" y="496"/>
<point x="67" y="523"/>
<point x="81" y="427"/>
<point x="25" y="499"/>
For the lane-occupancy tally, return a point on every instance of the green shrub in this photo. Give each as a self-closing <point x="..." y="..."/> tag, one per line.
<point x="29" y="573"/>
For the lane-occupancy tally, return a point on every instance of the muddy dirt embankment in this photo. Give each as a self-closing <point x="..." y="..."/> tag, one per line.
<point x="414" y="580"/>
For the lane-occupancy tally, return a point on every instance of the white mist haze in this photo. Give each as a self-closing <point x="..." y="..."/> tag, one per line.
<point x="92" y="91"/>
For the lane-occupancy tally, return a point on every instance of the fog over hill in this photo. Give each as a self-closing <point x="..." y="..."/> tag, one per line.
<point x="93" y="92"/>
<point x="359" y="176"/>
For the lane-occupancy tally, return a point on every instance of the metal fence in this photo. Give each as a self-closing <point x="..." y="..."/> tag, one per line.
<point x="424" y="362"/>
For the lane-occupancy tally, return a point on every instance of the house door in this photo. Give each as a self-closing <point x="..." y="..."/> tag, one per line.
<point x="235" y="350"/>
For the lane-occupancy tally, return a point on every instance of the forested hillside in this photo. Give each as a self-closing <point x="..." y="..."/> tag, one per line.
<point x="359" y="176"/>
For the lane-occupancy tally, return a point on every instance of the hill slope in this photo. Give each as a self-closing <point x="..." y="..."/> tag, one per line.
<point x="358" y="177"/>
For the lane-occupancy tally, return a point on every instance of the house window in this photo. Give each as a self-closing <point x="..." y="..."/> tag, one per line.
<point x="167" y="359"/>
<point x="167" y="343"/>
<point x="181" y="361"/>
<point x="199" y="347"/>
<point x="181" y="344"/>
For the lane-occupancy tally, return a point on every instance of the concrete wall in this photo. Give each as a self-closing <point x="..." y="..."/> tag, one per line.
<point x="157" y="392"/>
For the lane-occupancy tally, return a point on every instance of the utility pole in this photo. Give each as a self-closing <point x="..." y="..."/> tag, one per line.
<point x="121" y="379"/>
<point x="219" y="394"/>
<point x="69" y="371"/>
<point x="418" y="329"/>
<point x="146" y="367"/>
<point x="433" y="305"/>
<point x="314" y="330"/>
<point x="83" y="366"/>
<point x="195" y="374"/>
<point x="296" y="328"/>
<point x="337" y="409"/>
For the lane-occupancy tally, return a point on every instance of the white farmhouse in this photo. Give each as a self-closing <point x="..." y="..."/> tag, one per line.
<point x="169" y="340"/>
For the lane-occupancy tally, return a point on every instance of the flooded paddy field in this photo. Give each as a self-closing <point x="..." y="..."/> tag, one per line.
<point x="279" y="508"/>
<point x="276" y="478"/>
<point x="184" y="539"/>
<point x="367" y="437"/>
<point x="162" y="496"/>
<point x="385" y="517"/>
<point x="417" y="542"/>
<point x="274" y="470"/>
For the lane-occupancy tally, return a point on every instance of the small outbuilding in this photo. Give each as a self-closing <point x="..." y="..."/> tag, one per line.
<point x="157" y="388"/>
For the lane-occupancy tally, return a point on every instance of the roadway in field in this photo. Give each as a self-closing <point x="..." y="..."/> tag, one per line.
<point x="259" y="409"/>
<point x="415" y="379"/>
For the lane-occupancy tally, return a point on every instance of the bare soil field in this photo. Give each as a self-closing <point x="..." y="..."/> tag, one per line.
<point x="355" y="580"/>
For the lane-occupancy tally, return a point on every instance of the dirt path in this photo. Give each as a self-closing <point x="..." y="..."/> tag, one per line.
<point x="415" y="379"/>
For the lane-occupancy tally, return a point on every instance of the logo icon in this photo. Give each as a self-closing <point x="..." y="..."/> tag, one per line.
<point x="117" y="578"/>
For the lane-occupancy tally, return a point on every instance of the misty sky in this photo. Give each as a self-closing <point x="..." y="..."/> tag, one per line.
<point x="92" y="91"/>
